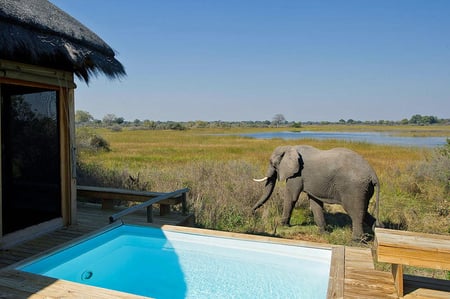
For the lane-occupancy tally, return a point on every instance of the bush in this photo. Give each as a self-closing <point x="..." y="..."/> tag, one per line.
<point x="88" y="140"/>
<point x="420" y="199"/>
<point x="115" y="128"/>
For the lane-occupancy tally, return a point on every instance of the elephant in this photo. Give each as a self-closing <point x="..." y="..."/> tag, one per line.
<point x="335" y="176"/>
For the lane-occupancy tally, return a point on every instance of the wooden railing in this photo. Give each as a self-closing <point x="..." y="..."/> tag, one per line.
<point x="147" y="199"/>
<point x="413" y="249"/>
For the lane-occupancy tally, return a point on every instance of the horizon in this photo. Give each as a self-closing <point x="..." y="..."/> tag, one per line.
<point x="286" y="122"/>
<point x="243" y="60"/>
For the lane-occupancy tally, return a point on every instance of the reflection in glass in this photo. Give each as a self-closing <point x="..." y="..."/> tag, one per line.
<point x="30" y="157"/>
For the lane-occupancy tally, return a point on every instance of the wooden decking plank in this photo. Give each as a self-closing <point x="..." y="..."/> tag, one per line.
<point x="423" y="293"/>
<point x="337" y="273"/>
<point x="46" y="286"/>
<point x="361" y="278"/>
<point x="359" y="258"/>
<point x="14" y="293"/>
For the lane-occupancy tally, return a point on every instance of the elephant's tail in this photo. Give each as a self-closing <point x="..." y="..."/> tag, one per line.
<point x="376" y="184"/>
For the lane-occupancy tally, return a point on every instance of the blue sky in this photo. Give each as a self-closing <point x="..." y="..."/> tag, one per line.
<point x="251" y="59"/>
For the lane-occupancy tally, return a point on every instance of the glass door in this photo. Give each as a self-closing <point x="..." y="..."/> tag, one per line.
<point x="31" y="181"/>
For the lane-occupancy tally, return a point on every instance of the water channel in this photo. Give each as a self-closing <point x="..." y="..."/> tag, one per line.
<point x="369" y="137"/>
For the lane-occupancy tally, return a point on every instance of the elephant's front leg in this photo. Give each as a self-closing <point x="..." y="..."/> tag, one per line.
<point x="294" y="186"/>
<point x="317" y="209"/>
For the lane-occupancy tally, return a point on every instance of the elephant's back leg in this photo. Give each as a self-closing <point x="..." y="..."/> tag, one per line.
<point x="355" y="206"/>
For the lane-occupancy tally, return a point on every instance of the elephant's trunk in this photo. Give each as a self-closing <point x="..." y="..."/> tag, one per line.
<point x="268" y="189"/>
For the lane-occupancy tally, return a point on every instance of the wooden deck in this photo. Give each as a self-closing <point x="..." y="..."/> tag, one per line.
<point x="356" y="276"/>
<point x="361" y="280"/>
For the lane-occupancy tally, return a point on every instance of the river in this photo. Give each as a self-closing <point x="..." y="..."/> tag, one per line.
<point x="369" y="137"/>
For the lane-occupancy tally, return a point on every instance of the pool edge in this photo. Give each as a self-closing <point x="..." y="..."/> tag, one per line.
<point x="243" y="236"/>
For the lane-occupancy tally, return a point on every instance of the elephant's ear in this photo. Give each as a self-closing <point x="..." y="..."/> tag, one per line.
<point x="289" y="165"/>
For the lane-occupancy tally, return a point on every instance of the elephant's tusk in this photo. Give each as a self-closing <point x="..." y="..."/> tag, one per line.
<point x="261" y="180"/>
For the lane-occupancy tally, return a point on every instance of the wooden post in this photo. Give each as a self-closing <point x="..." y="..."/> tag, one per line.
<point x="183" y="204"/>
<point x="397" y="273"/>
<point x="150" y="214"/>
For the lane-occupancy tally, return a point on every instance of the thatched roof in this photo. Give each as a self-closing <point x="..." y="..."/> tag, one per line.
<point x="37" y="32"/>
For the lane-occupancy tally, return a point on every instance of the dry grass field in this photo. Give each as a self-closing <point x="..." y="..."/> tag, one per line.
<point x="218" y="167"/>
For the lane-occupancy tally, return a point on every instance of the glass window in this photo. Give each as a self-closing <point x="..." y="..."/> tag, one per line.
<point x="31" y="184"/>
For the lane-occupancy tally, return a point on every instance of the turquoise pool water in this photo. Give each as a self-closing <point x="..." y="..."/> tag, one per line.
<point x="165" y="264"/>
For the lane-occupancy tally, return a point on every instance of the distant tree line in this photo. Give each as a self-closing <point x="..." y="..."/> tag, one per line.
<point x="84" y="118"/>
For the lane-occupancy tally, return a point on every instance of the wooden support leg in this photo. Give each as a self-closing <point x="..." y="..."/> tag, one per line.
<point x="150" y="214"/>
<point x="397" y="273"/>
<point x="183" y="204"/>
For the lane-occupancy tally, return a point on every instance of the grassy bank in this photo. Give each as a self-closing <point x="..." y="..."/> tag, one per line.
<point x="219" y="170"/>
<point x="395" y="130"/>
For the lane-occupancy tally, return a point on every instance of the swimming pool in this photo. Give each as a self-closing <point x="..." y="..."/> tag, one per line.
<point x="163" y="263"/>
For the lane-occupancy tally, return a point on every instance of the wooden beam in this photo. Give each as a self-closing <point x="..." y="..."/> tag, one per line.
<point x="117" y="193"/>
<point x="337" y="273"/>
<point x="33" y="73"/>
<point x="413" y="249"/>
<point x="107" y="195"/>
<point x="147" y="204"/>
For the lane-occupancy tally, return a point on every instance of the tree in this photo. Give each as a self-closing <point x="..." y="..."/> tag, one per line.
<point x="83" y="117"/>
<point x="110" y="119"/>
<point x="429" y="119"/>
<point x="279" y="119"/>
<point x="119" y="120"/>
<point x="416" y="119"/>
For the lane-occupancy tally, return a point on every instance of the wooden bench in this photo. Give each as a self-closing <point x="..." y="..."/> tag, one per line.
<point x="108" y="195"/>
<point x="413" y="249"/>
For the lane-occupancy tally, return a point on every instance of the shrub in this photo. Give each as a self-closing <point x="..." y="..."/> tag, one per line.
<point x="88" y="140"/>
<point x="420" y="199"/>
<point x="115" y="128"/>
